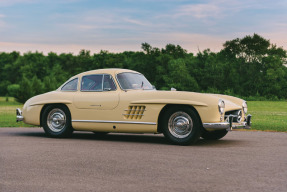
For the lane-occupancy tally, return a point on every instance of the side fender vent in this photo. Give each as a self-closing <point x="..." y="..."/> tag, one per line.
<point x="134" y="112"/>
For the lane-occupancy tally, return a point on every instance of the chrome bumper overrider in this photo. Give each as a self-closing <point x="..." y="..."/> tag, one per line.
<point x="19" y="116"/>
<point x="229" y="124"/>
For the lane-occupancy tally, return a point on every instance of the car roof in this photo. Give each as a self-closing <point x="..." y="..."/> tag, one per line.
<point x="112" y="71"/>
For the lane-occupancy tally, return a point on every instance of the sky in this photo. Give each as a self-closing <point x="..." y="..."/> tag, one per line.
<point x="68" y="26"/>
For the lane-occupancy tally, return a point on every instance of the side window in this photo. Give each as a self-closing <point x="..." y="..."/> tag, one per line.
<point x="98" y="83"/>
<point x="109" y="84"/>
<point x="71" y="85"/>
<point x="92" y="83"/>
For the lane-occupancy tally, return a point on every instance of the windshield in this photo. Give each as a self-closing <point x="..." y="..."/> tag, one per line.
<point x="133" y="81"/>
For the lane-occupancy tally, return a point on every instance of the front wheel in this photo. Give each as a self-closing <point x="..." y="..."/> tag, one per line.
<point x="56" y="121"/>
<point x="181" y="125"/>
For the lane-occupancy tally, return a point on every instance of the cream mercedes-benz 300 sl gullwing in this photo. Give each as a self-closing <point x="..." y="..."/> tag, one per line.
<point x="120" y="100"/>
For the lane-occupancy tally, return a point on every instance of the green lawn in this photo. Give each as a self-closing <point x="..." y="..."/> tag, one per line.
<point x="8" y="113"/>
<point x="266" y="115"/>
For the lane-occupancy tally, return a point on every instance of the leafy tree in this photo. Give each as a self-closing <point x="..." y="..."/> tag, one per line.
<point x="258" y="62"/>
<point x="29" y="88"/>
<point x="248" y="66"/>
<point x="9" y="72"/>
<point x="179" y="76"/>
<point x="13" y="89"/>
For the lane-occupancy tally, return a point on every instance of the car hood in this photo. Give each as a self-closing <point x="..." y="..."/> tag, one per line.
<point x="183" y="97"/>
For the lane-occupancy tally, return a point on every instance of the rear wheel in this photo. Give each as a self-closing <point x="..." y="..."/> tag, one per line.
<point x="181" y="125"/>
<point x="213" y="135"/>
<point x="56" y="121"/>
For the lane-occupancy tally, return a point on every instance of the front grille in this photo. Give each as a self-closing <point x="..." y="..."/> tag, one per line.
<point x="134" y="112"/>
<point x="237" y="115"/>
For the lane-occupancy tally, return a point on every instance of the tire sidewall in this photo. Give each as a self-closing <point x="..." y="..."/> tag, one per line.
<point x="66" y="131"/>
<point x="195" y="133"/>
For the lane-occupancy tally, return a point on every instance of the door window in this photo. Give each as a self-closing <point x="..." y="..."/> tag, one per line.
<point x="98" y="83"/>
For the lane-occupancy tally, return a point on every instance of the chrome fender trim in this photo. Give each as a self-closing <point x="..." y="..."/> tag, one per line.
<point x="120" y="122"/>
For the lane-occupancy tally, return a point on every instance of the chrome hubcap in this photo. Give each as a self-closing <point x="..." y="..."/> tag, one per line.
<point x="56" y="120"/>
<point x="180" y="124"/>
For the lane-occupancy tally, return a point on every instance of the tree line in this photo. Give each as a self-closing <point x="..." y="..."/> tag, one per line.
<point x="250" y="67"/>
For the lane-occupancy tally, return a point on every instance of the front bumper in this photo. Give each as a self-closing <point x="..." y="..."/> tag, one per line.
<point x="19" y="116"/>
<point x="229" y="124"/>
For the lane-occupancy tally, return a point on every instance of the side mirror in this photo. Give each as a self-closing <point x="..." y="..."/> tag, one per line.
<point x="107" y="89"/>
<point x="173" y="89"/>
<point x="153" y="87"/>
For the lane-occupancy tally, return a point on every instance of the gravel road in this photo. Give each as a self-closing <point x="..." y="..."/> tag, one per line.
<point x="241" y="161"/>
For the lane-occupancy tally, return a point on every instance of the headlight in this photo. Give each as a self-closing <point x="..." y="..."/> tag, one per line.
<point x="244" y="107"/>
<point x="221" y="106"/>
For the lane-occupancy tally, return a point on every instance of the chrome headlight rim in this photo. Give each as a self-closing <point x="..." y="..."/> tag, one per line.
<point x="244" y="107"/>
<point x="221" y="106"/>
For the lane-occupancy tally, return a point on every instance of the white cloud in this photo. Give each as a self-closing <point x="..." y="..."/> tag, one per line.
<point x="110" y="21"/>
<point x="219" y="8"/>
<point x="207" y="24"/>
<point x="134" y="21"/>
<point x="199" y="10"/>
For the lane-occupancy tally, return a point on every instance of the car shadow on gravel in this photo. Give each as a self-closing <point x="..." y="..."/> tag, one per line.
<point x="133" y="138"/>
<point x="120" y="137"/>
<point x="219" y="143"/>
<point x="112" y="137"/>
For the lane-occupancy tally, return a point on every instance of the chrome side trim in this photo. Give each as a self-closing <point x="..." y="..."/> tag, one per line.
<point x="133" y="114"/>
<point x="19" y="116"/>
<point x="121" y="122"/>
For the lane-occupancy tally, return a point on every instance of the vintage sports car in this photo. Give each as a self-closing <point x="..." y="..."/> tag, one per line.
<point x="120" y="100"/>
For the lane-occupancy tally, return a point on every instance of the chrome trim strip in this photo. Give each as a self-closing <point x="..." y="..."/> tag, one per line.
<point x="133" y="114"/>
<point x="121" y="122"/>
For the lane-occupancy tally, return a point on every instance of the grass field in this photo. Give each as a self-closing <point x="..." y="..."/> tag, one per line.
<point x="8" y="113"/>
<point x="266" y="115"/>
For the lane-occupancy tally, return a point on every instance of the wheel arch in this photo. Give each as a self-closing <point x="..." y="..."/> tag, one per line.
<point x="50" y="104"/>
<point x="168" y="106"/>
